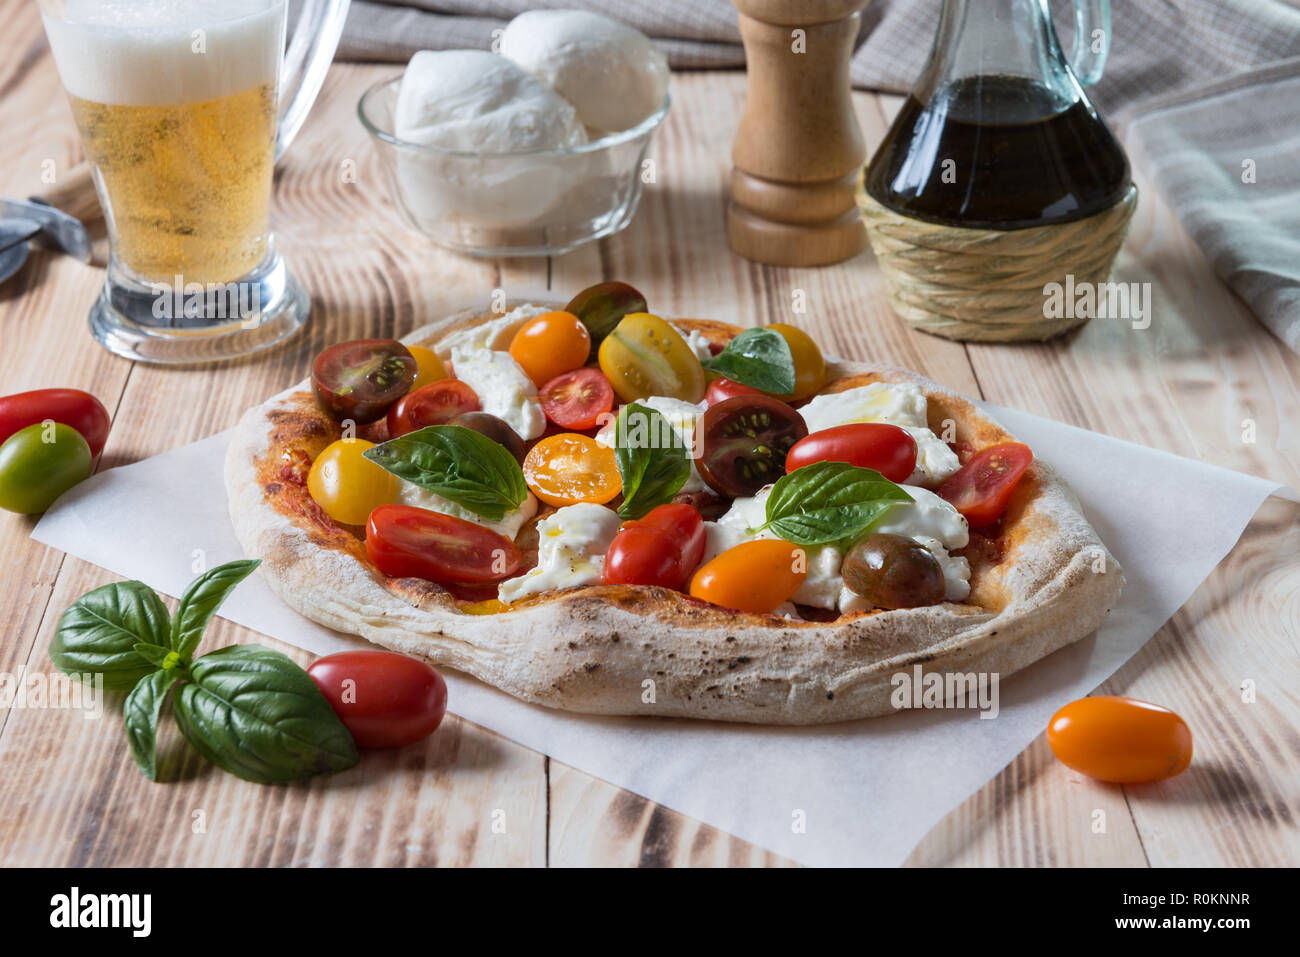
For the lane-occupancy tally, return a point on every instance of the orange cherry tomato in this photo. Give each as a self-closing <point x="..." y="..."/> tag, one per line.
<point x="569" y="468"/>
<point x="551" y="344"/>
<point x="754" y="576"/>
<point x="1121" y="740"/>
<point x="428" y="367"/>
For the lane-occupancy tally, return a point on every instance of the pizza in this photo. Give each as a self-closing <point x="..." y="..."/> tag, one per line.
<point x="600" y="510"/>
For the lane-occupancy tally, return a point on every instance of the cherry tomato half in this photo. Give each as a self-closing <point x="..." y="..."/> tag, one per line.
<point x="1121" y="740"/>
<point x="646" y="356"/>
<point x="81" y="410"/>
<point x="576" y="400"/>
<point x="745" y="441"/>
<point x="408" y="542"/>
<point x="360" y="380"/>
<point x="982" y="487"/>
<point x="722" y="388"/>
<point x="549" y="345"/>
<point x="569" y="468"/>
<point x="347" y="485"/>
<point x="663" y="549"/>
<point x="496" y="429"/>
<point x="434" y="404"/>
<point x="384" y="699"/>
<point x="754" y="576"/>
<point x="888" y="449"/>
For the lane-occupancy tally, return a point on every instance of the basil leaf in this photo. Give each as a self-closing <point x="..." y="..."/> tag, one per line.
<point x="99" y="631"/>
<point x="459" y="464"/>
<point x="759" y="358"/>
<point x="652" y="458"/>
<point x="201" y="601"/>
<point x="829" y="501"/>
<point x="253" y="712"/>
<point x="140" y="713"/>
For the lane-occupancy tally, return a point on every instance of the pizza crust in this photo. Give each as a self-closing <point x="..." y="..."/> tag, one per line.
<point x="641" y="650"/>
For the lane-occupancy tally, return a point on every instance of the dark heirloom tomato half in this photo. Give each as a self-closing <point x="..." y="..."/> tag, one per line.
<point x="434" y="404"/>
<point x="888" y="449"/>
<point x="360" y="380"/>
<point x="662" y="549"/>
<point x="495" y="429"/>
<point x="892" y="571"/>
<point x="384" y="699"/>
<point x="982" y="487"/>
<point x="81" y="410"/>
<point x="576" y="400"/>
<point x="601" y="307"/>
<point x="745" y="442"/>
<point x="407" y="542"/>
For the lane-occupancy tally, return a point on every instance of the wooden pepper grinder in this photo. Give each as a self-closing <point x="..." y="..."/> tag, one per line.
<point x="798" y="151"/>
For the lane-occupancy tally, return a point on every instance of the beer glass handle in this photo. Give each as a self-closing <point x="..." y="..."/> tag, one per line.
<point x="1091" y="39"/>
<point x="308" y="57"/>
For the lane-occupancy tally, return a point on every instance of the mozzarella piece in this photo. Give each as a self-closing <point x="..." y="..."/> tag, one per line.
<point x="509" y="525"/>
<point x="493" y="334"/>
<point x="927" y="519"/>
<point x="683" y="417"/>
<point x="503" y="388"/>
<point x="695" y="340"/>
<point x="901" y="404"/>
<point x="571" y="546"/>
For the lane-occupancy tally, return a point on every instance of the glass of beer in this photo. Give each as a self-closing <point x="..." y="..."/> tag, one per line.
<point x="183" y="107"/>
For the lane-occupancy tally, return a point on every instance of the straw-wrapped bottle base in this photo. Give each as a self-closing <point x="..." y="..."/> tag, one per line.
<point x="986" y="284"/>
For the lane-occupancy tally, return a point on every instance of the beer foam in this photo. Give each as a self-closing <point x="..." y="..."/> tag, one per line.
<point x="164" y="52"/>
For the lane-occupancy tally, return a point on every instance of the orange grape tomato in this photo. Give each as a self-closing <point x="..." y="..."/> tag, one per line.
<point x="754" y="576"/>
<point x="347" y="485"/>
<point x="809" y="364"/>
<point x="569" y="468"/>
<point x="428" y="367"/>
<point x="551" y="344"/>
<point x="1120" y="740"/>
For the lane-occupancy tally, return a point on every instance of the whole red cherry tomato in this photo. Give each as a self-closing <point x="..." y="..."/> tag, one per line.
<point x="384" y="699"/>
<point x="662" y="549"/>
<point x="982" y="487"/>
<point x="81" y="410"/>
<point x="888" y="449"/>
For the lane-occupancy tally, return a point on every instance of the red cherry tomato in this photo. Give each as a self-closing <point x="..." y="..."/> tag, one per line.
<point x="576" y="400"/>
<point x="1121" y="740"/>
<point x="434" y="404"/>
<point x="720" y="389"/>
<point x="661" y="549"/>
<point x="384" y="699"/>
<point x="889" y="450"/>
<point x="407" y="542"/>
<point x="81" y="410"/>
<point x="982" y="487"/>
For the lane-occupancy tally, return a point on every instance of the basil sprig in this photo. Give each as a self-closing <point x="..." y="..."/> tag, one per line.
<point x="652" y="459"/>
<point x="247" y="709"/>
<point x="758" y="358"/>
<point x="828" y="502"/>
<point x="459" y="464"/>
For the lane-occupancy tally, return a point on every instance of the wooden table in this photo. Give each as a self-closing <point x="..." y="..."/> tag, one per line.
<point x="71" y="795"/>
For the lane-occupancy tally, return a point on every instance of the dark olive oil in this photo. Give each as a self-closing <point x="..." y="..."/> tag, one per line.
<point x="998" y="152"/>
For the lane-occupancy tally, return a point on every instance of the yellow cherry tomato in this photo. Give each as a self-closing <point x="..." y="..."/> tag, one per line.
<point x="428" y="366"/>
<point x="569" y="468"/>
<point x="754" y="576"/>
<point x="809" y="365"/>
<point x="1121" y="740"/>
<point x="551" y="344"/>
<point x="347" y="485"/>
<point x="645" y="356"/>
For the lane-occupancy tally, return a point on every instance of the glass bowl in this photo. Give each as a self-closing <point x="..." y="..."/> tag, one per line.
<point x="532" y="203"/>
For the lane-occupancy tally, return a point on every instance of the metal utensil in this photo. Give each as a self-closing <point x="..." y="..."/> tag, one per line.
<point x="22" y="221"/>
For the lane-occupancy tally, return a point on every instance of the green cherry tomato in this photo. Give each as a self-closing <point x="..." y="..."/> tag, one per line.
<point x="40" y="463"/>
